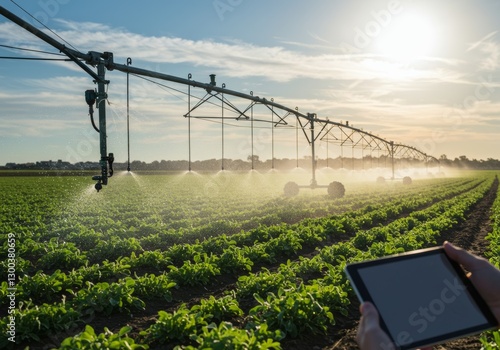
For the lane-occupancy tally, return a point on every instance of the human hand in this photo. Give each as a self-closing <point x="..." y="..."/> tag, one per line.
<point x="484" y="276"/>
<point x="370" y="335"/>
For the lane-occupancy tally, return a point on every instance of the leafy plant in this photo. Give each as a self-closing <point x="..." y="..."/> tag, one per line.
<point x="42" y="287"/>
<point x="195" y="274"/>
<point x="293" y="311"/>
<point x="33" y="323"/>
<point x="89" y="340"/>
<point x="490" y="340"/>
<point x="234" y="260"/>
<point x="114" y="248"/>
<point x="225" y="336"/>
<point x="151" y="285"/>
<point x="108" y="297"/>
<point x="263" y="282"/>
<point x="62" y="258"/>
<point x="177" y="326"/>
<point x="219" y="309"/>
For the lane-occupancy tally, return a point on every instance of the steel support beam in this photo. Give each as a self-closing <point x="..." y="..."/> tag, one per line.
<point x="105" y="61"/>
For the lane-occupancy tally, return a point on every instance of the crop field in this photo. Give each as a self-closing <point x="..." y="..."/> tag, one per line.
<point x="217" y="261"/>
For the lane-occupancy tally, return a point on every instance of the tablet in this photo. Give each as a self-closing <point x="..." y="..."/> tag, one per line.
<point x="423" y="297"/>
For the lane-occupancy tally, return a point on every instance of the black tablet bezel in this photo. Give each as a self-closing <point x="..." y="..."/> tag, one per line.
<point x="352" y="271"/>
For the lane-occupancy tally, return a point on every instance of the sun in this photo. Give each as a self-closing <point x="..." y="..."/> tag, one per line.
<point x="409" y="37"/>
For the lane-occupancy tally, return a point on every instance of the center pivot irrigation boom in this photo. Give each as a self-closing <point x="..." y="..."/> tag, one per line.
<point x="102" y="61"/>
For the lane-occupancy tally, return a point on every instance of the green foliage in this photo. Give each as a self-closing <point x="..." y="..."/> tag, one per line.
<point x="85" y="239"/>
<point x="156" y="259"/>
<point x="490" y="340"/>
<point x="218" y="309"/>
<point x="198" y="273"/>
<point x="149" y="286"/>
<point x="88" y="340"/>
<point x="233" y="260"/>
<point x="176" y="326"/>
<point x="293" y="311"/>
<point x="225" y="336"/>
<point x="42" y="287"/>
<point x="68" y="258"/>
<point x="179" y="253"/>
<point x="38" y="321"/>
<point x="106" y="297"/>
<point x="114" y="248"/>
<point x="103" y="271"/>
<point x="285" y="245"/>
<point x="263" y="282"/>
<point x="147" y="240"/>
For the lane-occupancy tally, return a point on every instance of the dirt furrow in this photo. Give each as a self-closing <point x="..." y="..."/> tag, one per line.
<point x="469" y="235"/>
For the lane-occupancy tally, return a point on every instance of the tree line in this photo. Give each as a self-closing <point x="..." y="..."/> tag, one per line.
<point x="254" y="162"/>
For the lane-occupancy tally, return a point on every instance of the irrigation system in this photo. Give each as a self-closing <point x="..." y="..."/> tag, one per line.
<point x="95" y="64"/>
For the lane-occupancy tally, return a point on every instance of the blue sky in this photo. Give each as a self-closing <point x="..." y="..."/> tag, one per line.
<point x="423" y="73"/>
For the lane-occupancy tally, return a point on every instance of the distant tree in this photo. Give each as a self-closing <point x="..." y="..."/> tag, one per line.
<point x="155" y="165"/>
<point x="255" y="158"/>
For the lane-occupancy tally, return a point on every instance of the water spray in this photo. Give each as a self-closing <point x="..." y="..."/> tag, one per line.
<point x="104" y="60"/>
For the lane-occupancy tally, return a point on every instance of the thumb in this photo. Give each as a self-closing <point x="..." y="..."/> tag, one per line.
<point x="370" y="314"/>
<point x="463" y="257"/>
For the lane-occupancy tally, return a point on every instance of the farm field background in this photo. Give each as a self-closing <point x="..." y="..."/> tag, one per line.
<point x="218" y="260"/>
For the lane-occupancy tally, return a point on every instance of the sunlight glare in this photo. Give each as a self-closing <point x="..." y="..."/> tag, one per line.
<point x="409" y="37"/>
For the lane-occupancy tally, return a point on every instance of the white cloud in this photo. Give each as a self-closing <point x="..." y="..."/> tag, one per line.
<point x="366" y="89"/>
<point x="234" y="59"/>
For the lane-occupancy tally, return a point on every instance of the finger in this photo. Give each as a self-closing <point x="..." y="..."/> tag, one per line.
<point x="370" y="315"/>
<point x="367" y="308"/>
<point x="463" y="257"/>
<point x="368" y="322"/>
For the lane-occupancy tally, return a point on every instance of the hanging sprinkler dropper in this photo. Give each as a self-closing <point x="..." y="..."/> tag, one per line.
<point x="104" y="60"/>
<point x="129" y="62"/>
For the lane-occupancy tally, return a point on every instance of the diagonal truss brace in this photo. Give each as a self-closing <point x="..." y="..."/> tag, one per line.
<point x="105" y="61"/>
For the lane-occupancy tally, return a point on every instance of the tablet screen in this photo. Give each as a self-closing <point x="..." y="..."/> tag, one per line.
<point x="421" y="298"/>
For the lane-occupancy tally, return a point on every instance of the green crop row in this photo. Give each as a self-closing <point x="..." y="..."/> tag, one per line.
<point x="301" y="296"/>
<point x="491" y="340"/>
<point x="291" y="305"/>
<point x="227" y="254"/>
<point x="284" y="310"/>
<point x="106" y="230"/>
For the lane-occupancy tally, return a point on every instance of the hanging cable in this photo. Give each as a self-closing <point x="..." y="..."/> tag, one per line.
<point x="129" y="62"/>
<point x="36" y="19"/>
<point x="272" y="134"/>
<point x="251" y="131"/>
<point x="222" y="128"/>
<point x="189" y="122"/>
<point x="33" y="58"/>
<point x="32" y="50"/>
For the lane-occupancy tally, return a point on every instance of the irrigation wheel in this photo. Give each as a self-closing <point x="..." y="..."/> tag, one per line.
<point x="336" y="189"/>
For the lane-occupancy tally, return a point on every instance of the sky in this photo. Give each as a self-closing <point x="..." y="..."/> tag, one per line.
<point x="422" y="73"/>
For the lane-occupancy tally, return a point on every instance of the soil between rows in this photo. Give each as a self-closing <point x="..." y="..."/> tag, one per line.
<point x="469" y="235"/>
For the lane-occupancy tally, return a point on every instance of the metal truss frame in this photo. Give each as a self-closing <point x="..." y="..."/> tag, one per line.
<point x="331" y="131"/>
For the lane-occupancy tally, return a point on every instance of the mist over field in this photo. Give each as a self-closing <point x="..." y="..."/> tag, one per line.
<point x="150" y="252"/>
